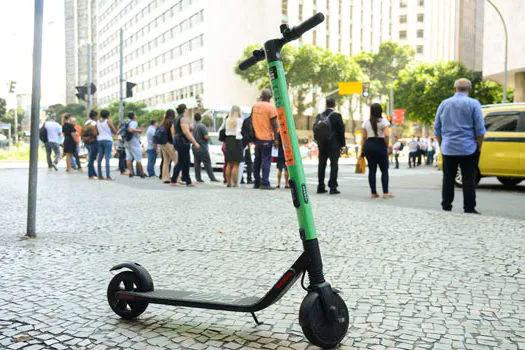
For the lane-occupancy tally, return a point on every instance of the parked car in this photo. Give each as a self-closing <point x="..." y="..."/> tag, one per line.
<point x="503" y="151"/>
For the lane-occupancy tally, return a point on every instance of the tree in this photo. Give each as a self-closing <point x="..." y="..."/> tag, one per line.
<point x="55" y="110"/>
<point x="3" y="104"/>
<point x="9" y="117"/>
<point x="137" y="108"/>
<point x="145" y="119"/>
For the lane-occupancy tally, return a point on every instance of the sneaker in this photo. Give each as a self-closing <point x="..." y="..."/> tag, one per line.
<point x="250" y="182"/>
<point x="200" y="181"/>
<point x="54" y="167"/>
<point x="214" y="180"/>
<point x="473" y="211"/>
<point x="321" y="190"/>
<point x="334" y="191"/>
<point x="266" y="187"/>
<point x="109" y="178"/>
<point x="256" y="185"/>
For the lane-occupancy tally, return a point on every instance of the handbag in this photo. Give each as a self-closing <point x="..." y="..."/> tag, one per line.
<point x="222" y="135"/>
<point x="360" y="167"/>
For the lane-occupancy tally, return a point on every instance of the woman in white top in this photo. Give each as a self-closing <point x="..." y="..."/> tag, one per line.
<point x="234" y="151"/>
<point x="375" y="139"/>
<point x="106" y="130"/>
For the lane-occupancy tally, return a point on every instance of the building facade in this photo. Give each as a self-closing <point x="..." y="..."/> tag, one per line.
<point x="80" y="30"/>
<point x="494" y="45"/>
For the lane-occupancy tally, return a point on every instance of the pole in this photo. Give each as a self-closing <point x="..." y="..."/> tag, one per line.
<point x="35" y="118"/>
<point x="505" y="72"/>
<point x="391" y="103"/>
<point x="121" y="97"/>
<point x="90" y="79"/>
<point x="16" y="120"/>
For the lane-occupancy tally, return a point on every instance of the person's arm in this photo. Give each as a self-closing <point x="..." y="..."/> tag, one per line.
<point x="185" y="126"/>
<point x="342" y="140"/>
<point x="112" y="127"/>
<point x="365" y="136"/>
<point x="275" y="128"/>
<point x="172" y="130"/>
<point x="205" y="135"/>
<point x="437" y="124"/>
<point x="386" y="132"/>
<point x="135" y="130"/>
<point x="479" y="125"/>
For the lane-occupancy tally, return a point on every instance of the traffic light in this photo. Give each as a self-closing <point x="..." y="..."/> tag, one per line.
<point x="81" y="92"/>
<point x="366" y="90"/>
<point x="129" y="89"/>
<point x="12" y="85"/>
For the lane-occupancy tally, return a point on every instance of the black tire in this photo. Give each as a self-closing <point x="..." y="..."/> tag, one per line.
<point x="127" y="309"/>
<point x="509" y="181"/>
<point x="458" y="179"/>
<point x="316" y="328"/>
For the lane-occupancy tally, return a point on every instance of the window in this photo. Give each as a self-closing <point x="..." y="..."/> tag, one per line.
<point x="420" y="33"/>
<point x="420" y="17"/>
<point x="402" y="34"/>
<point x="419" y="49"/>
<point x="421" y="2"/>
<point x="504" y="122"/>
<point x="403" y="19"/>
<point x="403" y="3"/>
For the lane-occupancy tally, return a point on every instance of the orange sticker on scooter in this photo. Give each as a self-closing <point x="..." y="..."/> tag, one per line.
<point x="285" y="137"/>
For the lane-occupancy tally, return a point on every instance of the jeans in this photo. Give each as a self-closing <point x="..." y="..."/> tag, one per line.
<point x="412" y="159"/>
<point x="104" y="151"/>
<point x="469" y="168"/>
<point x="430" y="157"/>
<point x="152" y="158"/>
<point x="55" y="148"/>
<point x="396" y="157"/>
<point x="183" y="163"/>
<point x="122" y="160"/>
<point x="376" y="154"/>
<point x="92" y="155"/>
<point x="263" y="160"/>
<point x="202" y="155"/>
<point x="328" y="150"/>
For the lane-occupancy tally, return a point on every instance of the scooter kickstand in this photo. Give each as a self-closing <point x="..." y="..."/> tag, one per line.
<point x="256" y="320"/>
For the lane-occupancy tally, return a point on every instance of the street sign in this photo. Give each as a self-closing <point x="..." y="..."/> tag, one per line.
<point x="351" y="87"/>
<point x="399" y="116"/>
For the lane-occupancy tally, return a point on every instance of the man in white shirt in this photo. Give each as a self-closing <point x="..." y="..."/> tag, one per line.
<point x="151" y="148"/>
<point x="54" y="131"/>
<point x="422" y="148"/>
<point x="412" y="152"/>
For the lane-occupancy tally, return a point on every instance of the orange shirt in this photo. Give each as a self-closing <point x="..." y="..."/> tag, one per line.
<point x="262" y="113"/>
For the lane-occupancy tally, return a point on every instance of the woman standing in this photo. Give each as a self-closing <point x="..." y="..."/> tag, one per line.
<point x="168" y="150"/>
<point x="375" y="139"/>
<point x="106" y="130"/>
<point x="183" y="138"/>
<point x="70" y="135"/>
<point x="233" y="149"/>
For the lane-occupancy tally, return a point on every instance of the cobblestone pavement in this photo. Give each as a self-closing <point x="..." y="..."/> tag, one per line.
<point x="411" y="278"/>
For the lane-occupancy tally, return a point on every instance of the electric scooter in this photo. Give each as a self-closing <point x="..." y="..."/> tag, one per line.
<point x="323" y="314"/>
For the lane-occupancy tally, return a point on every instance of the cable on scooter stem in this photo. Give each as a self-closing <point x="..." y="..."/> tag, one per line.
<point x="288" y="35"/>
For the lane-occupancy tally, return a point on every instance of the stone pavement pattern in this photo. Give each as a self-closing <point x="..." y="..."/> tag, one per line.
<point x="411" y="278"/>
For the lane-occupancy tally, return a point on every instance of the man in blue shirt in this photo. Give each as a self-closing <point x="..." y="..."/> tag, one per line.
<point x="459" y="128"/>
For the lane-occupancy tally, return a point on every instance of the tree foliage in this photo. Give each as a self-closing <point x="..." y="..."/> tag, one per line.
<point x="3" y="104"/>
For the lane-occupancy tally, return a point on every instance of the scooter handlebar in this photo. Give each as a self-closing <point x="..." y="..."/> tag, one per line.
<point x="258" y="55"/>
<point x="308" y="24"/>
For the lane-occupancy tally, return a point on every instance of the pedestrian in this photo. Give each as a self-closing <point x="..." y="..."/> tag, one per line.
<point x="106" y="130"/>
<point x="265" y="128"/>
<point x="89" y="137"/>
<point x="281" y="164"/>
<point x="398" y="147"/>
<point x="133" y="147"/>
<point x="183" y="138"/>
<point x="120" y="149"/>
<point x="70" y="137"/>
<point x="202" y="154"/>
<point x="375" y="144"/>
<point x="165" y="136"/>
<point x="430" y="152"/>
<point x="54" y="131"/>
<point x="412" y="152"/>
<point x="330" y="147"/>
<point x="421" y="150"/>
<point x="248" y="139"/>
<point x="234" y="151"/>
<point x="460" y="129"/>
<point x="75" y="160"/>
<point x="151" y="148"/>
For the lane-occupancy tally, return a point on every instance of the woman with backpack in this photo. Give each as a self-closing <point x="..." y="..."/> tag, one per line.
<point x="89" y="137"/>
<point x="106" y="130"/>
<point x="164" y="138"/>
<point x="375" y="145"/>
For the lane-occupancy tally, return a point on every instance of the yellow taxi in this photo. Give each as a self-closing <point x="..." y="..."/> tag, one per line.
<point x="503" y="151"/>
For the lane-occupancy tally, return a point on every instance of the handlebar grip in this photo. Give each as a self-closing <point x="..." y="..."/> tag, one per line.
<point x="308" y="24"/>
<point x="258" y="55"/>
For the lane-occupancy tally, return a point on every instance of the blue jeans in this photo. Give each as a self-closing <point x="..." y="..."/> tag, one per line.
<point x="152" y="158"/>
<point x="263" y="159"/>
<point x="183" y="163"/>
<point x="104" y="151"/>
<point x="92" y="155"/>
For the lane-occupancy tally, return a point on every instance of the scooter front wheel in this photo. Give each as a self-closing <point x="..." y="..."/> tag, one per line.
<point x="316" y="327"/>
<point x="128" y="309"/>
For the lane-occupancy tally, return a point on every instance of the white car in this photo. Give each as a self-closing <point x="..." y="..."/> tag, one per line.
<point x="215" y="149"/>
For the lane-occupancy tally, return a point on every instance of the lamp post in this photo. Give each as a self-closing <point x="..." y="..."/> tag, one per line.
<point x="506" y="50"/>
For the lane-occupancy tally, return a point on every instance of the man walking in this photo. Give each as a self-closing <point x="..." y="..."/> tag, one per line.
<point x="265" y="127"/>
<point x="54" y="131"/>
<point x="397" y="148"/>
<point x="133" y="148"/>
<point x="413" y="148"/>
<point x="151" y="148"/>
<point x="459" y="129"/>
<point x="331" y="147"/>
<point x="202" y="154"/>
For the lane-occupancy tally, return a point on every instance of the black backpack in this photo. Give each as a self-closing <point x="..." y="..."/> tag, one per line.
<point x="401" y="146"/>
<point x="323" y="127"/>
<point x="125" y="133"/>
<point x="161" y="136"/>
<point x="43" y="133"/>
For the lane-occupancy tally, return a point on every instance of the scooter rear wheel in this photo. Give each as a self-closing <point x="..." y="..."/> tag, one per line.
<point x="316" y="327"/>
<point x="127" y="309"/>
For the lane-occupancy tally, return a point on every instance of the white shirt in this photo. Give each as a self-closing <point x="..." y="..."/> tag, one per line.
<point x="382" y="123"/>
<point x="237" y="132"/>
<point x="397" y="147"/>
<point x="104" y="131"/>
<point x="54" y="130"/>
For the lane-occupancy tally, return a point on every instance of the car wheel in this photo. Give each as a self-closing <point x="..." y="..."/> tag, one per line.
<point x="509" y="181"/>
<point x="458" y="179"/>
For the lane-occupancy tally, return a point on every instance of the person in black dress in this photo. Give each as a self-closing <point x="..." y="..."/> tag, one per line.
<point x="70" y="139"/>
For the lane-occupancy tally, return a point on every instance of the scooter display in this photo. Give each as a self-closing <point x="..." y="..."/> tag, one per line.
<point x="323" y="314"/>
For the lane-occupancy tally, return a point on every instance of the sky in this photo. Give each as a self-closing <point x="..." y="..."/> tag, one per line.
<point x="16" y="59"/>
